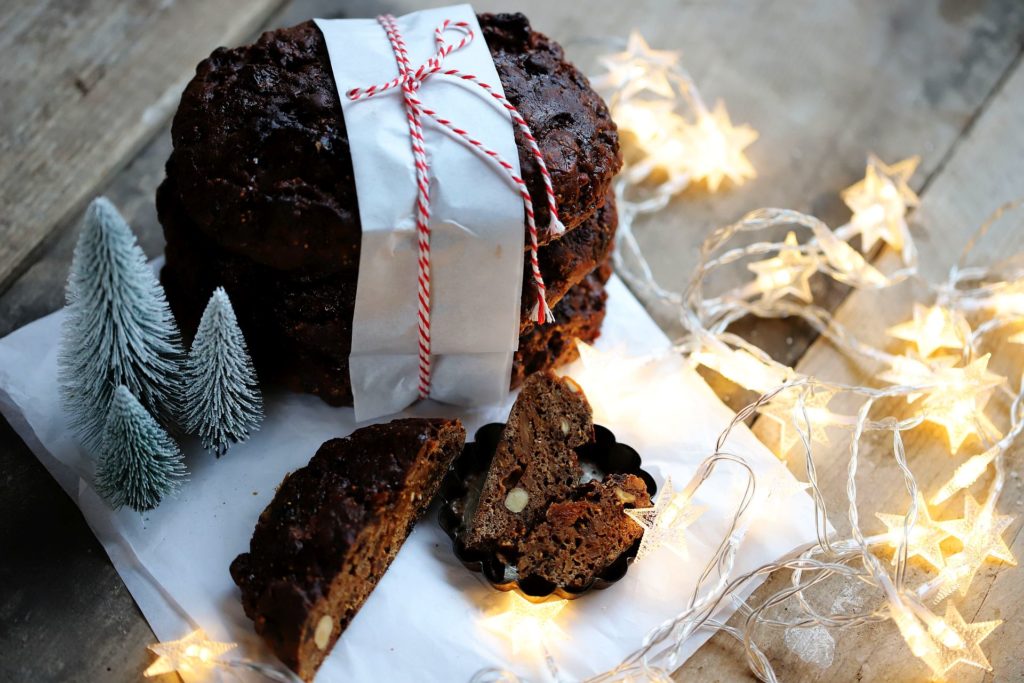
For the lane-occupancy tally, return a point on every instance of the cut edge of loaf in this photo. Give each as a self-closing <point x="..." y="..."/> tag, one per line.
<point x="361" y="571"/>
<point x="493" y="525"/>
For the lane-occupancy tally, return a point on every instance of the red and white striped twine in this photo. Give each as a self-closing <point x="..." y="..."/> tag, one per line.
<point x="409" y="80"/>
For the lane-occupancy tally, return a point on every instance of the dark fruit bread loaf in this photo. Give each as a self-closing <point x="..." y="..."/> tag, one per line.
<point x="332" y="530"/>
<point x="578" y="316"/>
<point x="581" y="536"/>
<point x="292" y="346"/>
<point x="534" y="464"/>
<point x="196" y="265"/>
<point x="260" y="199"/>
<point x="261" y="154"/>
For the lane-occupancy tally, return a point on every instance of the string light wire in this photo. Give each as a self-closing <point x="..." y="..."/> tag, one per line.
<point x="982" y="293"/>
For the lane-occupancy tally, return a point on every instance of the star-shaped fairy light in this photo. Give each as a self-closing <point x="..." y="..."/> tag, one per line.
<point x="526" y="625"/>
<point x="714" y="148"/>
<point x="956" y="396"/>
<point x="926" y="536"/>
<point x="651" y="123"/>
<point x="639" y="68"/>
<point x="666" y="523"/>
<point x="880" y="201"/>
<point x="195" y="652"/>
<point x="786" y="409"/>
<point x="959" y="572"/>
<point x="782" y="488"/>
<point x="933" y="328"/>
<point x="958" y="404"/>
<point x="655" y="128"/>
<point x="941" y="657"/>
<point x="789" y="272"/>
<point x="914" y="371"/>
<point x="981" y="531"/>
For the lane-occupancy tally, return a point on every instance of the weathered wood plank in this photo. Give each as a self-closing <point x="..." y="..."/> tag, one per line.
<point x="39" y="288"/>
<point x="67" y="615"/>
<point x="983" y="172"/>
<point x="84" y="86"/>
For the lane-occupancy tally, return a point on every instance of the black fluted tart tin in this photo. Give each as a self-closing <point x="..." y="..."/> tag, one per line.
<point x="462" y="485"/>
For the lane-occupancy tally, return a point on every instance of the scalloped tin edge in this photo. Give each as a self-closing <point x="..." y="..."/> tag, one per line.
<point x="605" y="454"/>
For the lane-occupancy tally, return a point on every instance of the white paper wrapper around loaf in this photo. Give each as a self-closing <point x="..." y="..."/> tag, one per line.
<point x="477" y="231"/>
<point x="423" y="621"/>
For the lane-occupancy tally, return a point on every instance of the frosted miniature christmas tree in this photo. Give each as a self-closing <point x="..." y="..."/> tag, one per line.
<point x="139" y="463"/>
<point x="222" y="395"/>
<point x="119" y="329"/>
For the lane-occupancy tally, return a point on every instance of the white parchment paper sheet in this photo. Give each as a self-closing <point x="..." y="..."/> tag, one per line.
<point x="422" y="623"/>
<point x="476" y="220"/>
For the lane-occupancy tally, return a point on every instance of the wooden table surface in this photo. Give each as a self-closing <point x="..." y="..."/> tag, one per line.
<point x="86" y="93"/>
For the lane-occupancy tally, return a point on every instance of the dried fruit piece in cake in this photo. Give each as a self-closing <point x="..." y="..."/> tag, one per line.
<point x="582" y="536"/>
<point x="534" y="463"/>
<point x="332" y="530"/>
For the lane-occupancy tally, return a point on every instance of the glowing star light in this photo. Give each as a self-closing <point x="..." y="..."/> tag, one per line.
<point x="787" y="273"/>
<point x="639" y="68"/>
<point x="193" y="653"/>
<point x="956" y="396"/>
<point x="524" y="624"/>
<point x="908" y="370"/>
<point x="880" y="201"/>
<point x="941" y="658"/>
<point x="786" y="409"/>
<point x="714" y="148"/>
<point x="651" y="123"/>
<point x="958" y="402"/>
<point x="933" y="328"/>
<point x="980" y="530"/>
<point x="665" y="524"/>
<point x="925" y="536"/>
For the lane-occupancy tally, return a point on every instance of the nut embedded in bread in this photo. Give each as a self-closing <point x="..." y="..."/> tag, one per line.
<point x="534" y="464"/>
<point x="332" y="530"/>
<point x="580" y="537"/>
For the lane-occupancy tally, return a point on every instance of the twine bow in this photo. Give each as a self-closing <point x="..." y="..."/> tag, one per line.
<point x="410" y="80"/>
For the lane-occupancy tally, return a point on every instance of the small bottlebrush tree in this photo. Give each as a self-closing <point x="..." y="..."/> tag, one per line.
<point x="118" y="331"/>
<point x="139" y="464"/>
<point x="222" y="395"/>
